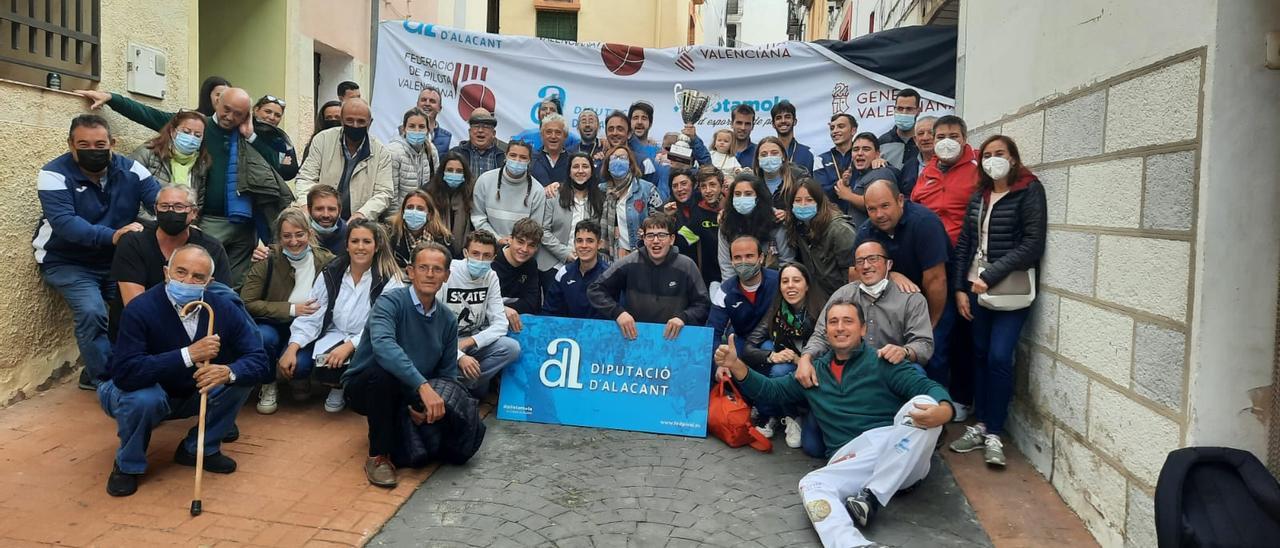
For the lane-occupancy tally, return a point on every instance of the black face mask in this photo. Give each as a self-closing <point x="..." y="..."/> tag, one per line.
<point x="326" y="124"/>
<point x="354" y="134"/>
<point x="171" y="222"/>
<point x="93" y="160"/>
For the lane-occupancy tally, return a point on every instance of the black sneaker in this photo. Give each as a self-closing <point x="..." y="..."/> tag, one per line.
<point x="862" y="507"/>
<point x="120" y="484"/>
<point x="87" y="382"/>
<point x="216" y="463"/>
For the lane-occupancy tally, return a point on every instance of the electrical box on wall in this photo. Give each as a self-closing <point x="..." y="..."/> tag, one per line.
<point x="146" y="68"/>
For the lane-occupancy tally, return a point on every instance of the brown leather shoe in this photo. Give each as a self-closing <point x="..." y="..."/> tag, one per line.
<point x="380" y="471"/>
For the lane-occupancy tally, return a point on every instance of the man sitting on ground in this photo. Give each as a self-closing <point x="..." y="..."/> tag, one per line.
<point x="474" y="294"/>
<point x="567" y="297"/>
<point x="410" y="339"/>
<point x="656" y="285"/>
<point x="158" y="370"/>
<point x="518" y="273"/>
<point x="880" y="423"/>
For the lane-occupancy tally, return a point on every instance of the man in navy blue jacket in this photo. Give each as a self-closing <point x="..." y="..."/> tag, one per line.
<point x="550" y="164"/>
<point x="164" y="360"/>
<point x="567" y="297"/>
<point x="89" y="198"/>
<point x="741" y="302"/>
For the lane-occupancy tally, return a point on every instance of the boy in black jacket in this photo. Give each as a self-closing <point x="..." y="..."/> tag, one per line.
<point x="655" y="283"/>
<point x="518" y="272"/>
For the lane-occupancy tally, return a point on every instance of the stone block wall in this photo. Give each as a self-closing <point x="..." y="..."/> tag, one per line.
<point x="1102" y="371"/>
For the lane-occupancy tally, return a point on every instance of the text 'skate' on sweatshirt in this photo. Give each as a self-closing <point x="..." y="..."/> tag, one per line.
<point x="477" y="302"/>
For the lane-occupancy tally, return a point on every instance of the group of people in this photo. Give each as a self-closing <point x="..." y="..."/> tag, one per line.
<point x="849" y="291"/>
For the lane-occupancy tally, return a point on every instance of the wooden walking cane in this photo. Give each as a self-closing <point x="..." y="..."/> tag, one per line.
<point x="204" y="405"/>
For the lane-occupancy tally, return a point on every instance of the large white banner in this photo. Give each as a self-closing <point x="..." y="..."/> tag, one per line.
<point x="510" y="75"/>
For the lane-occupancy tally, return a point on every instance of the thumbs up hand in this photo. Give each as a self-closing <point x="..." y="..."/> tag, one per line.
<point x="727" y="356"/>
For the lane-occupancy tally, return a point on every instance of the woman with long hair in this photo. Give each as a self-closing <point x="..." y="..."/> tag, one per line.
<point x="413" y="157"/>
<point x="176" y="155"/>
<point x="328" y="116"/>
<point x="629" y="200"/>
<point x="581" y="199"/>
<point x="273" y="142"/>
<point x="452" y="189"/>
<point x="278" y="289"/>
<point x="323" y="342"/>
<point x="774" y="166"/>
<point x="750" y="211"/>
<point x="822" y="237"/>
<point x="210" y="90"/>
<point x="777" y="342"/>
<point x="1003" y="234"/>
<point x="418" y="221"/>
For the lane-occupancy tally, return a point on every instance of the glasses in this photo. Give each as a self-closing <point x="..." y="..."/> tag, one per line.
<point x="428" y="269"/>
<point x="178" y="208"/>
<point x="656" y="236"/>
<point x="869" y="260"/>
<point x="273" y="99"/>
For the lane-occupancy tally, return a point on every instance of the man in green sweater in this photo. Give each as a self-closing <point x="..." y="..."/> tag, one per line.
<point x="228" y="211"/>
<point x="882" y="420"/>
<point x="409" y="339"/>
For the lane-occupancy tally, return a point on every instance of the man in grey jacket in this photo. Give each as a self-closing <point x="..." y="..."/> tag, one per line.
<point x="352" y="161"/>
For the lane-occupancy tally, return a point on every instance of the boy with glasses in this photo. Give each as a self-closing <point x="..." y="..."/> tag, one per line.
<point x="656" y="284"/>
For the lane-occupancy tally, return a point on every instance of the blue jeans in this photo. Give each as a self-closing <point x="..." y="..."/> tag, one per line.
<point x="995" y="338"/>
<point x="138" y="412"/>
<point x="275" y="337"/>
<point x="770" y="411"/>
<point x="87" y="289"/>
<point x="493" y="358"/>
<point x="811" y="441"/>
<point x="939" y="366"/>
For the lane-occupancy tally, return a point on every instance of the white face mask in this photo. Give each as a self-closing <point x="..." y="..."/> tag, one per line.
<point x="996" y="167"/>
<point x="947" y="149"/>
<point x="874" y="290"/>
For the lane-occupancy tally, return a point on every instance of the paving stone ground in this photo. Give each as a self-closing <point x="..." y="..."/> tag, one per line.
<point x="545" y="485"/>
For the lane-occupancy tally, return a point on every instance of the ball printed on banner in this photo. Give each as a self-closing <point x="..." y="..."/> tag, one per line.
<point x="474" y="96"/>
<point x="621" y="59"/>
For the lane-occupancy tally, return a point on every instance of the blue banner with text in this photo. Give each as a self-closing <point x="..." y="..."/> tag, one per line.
<point x="584" y="373"/>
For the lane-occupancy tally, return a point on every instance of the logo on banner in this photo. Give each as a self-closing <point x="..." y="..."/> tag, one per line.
<point x="840" y="99"/>
<point x="565" y="365"/>
<point x="460" y="37"/>
<point x="683" y="59"/>
<point x="622" y="60"/>
<point x="468" y="82"/>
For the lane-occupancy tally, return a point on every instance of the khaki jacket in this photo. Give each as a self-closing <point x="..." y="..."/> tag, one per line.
<point x="269" y="299"/>
<point x="371" y="188"/>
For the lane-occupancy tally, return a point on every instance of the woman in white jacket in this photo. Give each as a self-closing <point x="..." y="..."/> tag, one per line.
<point x="413" y="157"/>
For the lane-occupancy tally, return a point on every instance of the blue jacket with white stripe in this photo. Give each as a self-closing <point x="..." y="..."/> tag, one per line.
<point x="79" y="217"/>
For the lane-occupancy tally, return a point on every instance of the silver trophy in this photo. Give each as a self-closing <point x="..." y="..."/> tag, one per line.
<point x="692" y="104"/>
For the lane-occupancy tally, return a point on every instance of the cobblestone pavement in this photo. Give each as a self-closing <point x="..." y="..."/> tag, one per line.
<point x="534" y="484"/>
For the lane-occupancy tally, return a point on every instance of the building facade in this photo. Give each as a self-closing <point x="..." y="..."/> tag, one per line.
<point x="654" y="24"/>
<point x="1156" y="325"/>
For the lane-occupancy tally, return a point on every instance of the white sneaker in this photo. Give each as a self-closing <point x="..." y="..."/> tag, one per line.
<point x="268" y="398"/>
<point x="334" y="403"/>
<point x="962" y="412"/>
<point x="792" y="431"/>
<point x="766" y="429"/>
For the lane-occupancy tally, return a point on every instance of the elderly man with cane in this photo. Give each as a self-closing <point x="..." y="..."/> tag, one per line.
<point x="168" y="357"/>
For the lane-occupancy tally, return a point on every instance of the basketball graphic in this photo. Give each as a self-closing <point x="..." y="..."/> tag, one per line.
<point x="622" y="60"/>
<point x="473" y="96"/>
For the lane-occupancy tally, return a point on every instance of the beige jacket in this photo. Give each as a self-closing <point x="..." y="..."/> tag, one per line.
<point x="371" y="188"/>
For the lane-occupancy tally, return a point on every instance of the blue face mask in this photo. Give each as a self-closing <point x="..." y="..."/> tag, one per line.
<point x="296" y="256"/>
<point x="415" y="138"/>
<point x="516" y="168"/>
<point x="619" y="167"/>
<point x="186" y="143"/>
<point x="183" y="293"/>
<point x="744" y="204"/>
<point x="414" y="218"/>
<point x="322" y="229"/>
<point x="904" y="122"/>
<point x="771" y="164"/>
<point x="804" y="212"/>
<point x="454" y="180"/>
<point x="478" y="269"/>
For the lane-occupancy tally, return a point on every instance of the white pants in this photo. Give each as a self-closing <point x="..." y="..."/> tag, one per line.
<point x="883" y="460"/>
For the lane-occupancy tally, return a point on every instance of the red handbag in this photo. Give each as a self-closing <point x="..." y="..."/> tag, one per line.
<point x="729" y="418"/>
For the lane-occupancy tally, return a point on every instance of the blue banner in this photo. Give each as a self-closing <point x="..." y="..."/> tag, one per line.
<point x="583" y="373"/>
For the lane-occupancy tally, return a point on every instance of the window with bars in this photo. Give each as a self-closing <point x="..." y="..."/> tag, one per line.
<point x="42" y="38"/>
<point x="558" y="25"/>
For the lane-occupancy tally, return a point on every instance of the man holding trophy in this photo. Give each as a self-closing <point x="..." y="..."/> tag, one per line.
<point x="687" y="150"/>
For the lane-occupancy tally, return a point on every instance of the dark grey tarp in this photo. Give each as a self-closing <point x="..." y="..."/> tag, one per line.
<point x="923" y="57"/>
